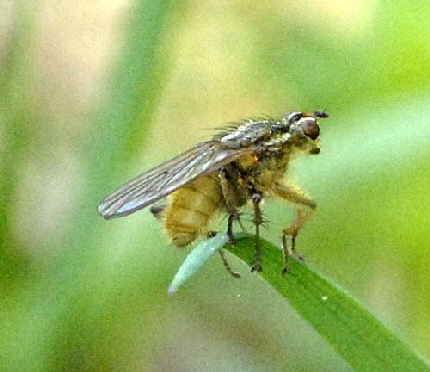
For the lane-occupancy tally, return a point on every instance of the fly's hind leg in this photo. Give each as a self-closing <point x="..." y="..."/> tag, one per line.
<point x="157" y="210"/>
<point x="228" y="178"/>
<point x="229" y="181"/>
<point x="296" y="196"/>
<point x="227" y="265"/>
<point x="233" y="273"/>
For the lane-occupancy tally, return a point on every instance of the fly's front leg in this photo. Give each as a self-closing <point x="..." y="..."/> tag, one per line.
<point x="296" y="196"/>
<point x="256" y="198"/>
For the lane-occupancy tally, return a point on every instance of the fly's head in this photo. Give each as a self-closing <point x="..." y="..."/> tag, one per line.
<point x="303" y="129"/>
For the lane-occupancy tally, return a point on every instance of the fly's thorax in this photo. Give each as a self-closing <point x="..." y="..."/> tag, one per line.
<point x="250" y="132"/>
<point x="270" y="170"/>
<point x="191" y="208"/>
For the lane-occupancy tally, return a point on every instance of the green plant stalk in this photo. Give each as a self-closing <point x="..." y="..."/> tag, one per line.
<point x="361" y="339"/>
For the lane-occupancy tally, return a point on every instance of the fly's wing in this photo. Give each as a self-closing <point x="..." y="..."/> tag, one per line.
<point x="166" y="178"/>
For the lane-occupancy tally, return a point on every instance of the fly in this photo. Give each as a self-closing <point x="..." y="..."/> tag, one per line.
<point x="242" y="165"/>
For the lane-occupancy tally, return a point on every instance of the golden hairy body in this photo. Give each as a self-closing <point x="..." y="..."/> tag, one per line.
<point x="246" y="163"/>
<point x="191" y="208"/>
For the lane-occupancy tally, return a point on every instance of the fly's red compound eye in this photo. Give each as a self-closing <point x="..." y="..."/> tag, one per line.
<point x="311" y="129"/>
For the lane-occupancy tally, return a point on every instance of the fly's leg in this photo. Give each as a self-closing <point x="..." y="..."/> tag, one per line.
<point x="296" y="196"/>
<point x="157" y="210"/>
<point x="231" y="218"/>
<point x="227" y="265"/>
<point x="302" y="216"/>
<point x="233" y="273"/>
<point x="258" y="220"/>
<point x="233" y="214"/>
<point x="225" y="177"/>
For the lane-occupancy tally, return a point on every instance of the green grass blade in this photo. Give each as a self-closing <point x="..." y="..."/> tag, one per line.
<point x="365" y="343"/>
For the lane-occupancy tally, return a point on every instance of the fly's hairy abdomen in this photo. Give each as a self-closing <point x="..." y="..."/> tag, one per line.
<point x="192" y="207"/>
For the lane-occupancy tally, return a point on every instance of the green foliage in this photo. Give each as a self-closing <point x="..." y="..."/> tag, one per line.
<point x="80" y="293"/>
<point x="352" y="331"/>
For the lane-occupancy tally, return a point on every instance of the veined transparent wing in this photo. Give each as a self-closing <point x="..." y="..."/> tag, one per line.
<point x="167" y="177"/>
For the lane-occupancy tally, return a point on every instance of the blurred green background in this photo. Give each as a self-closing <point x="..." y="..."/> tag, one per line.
<point x="93" y="93"/>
